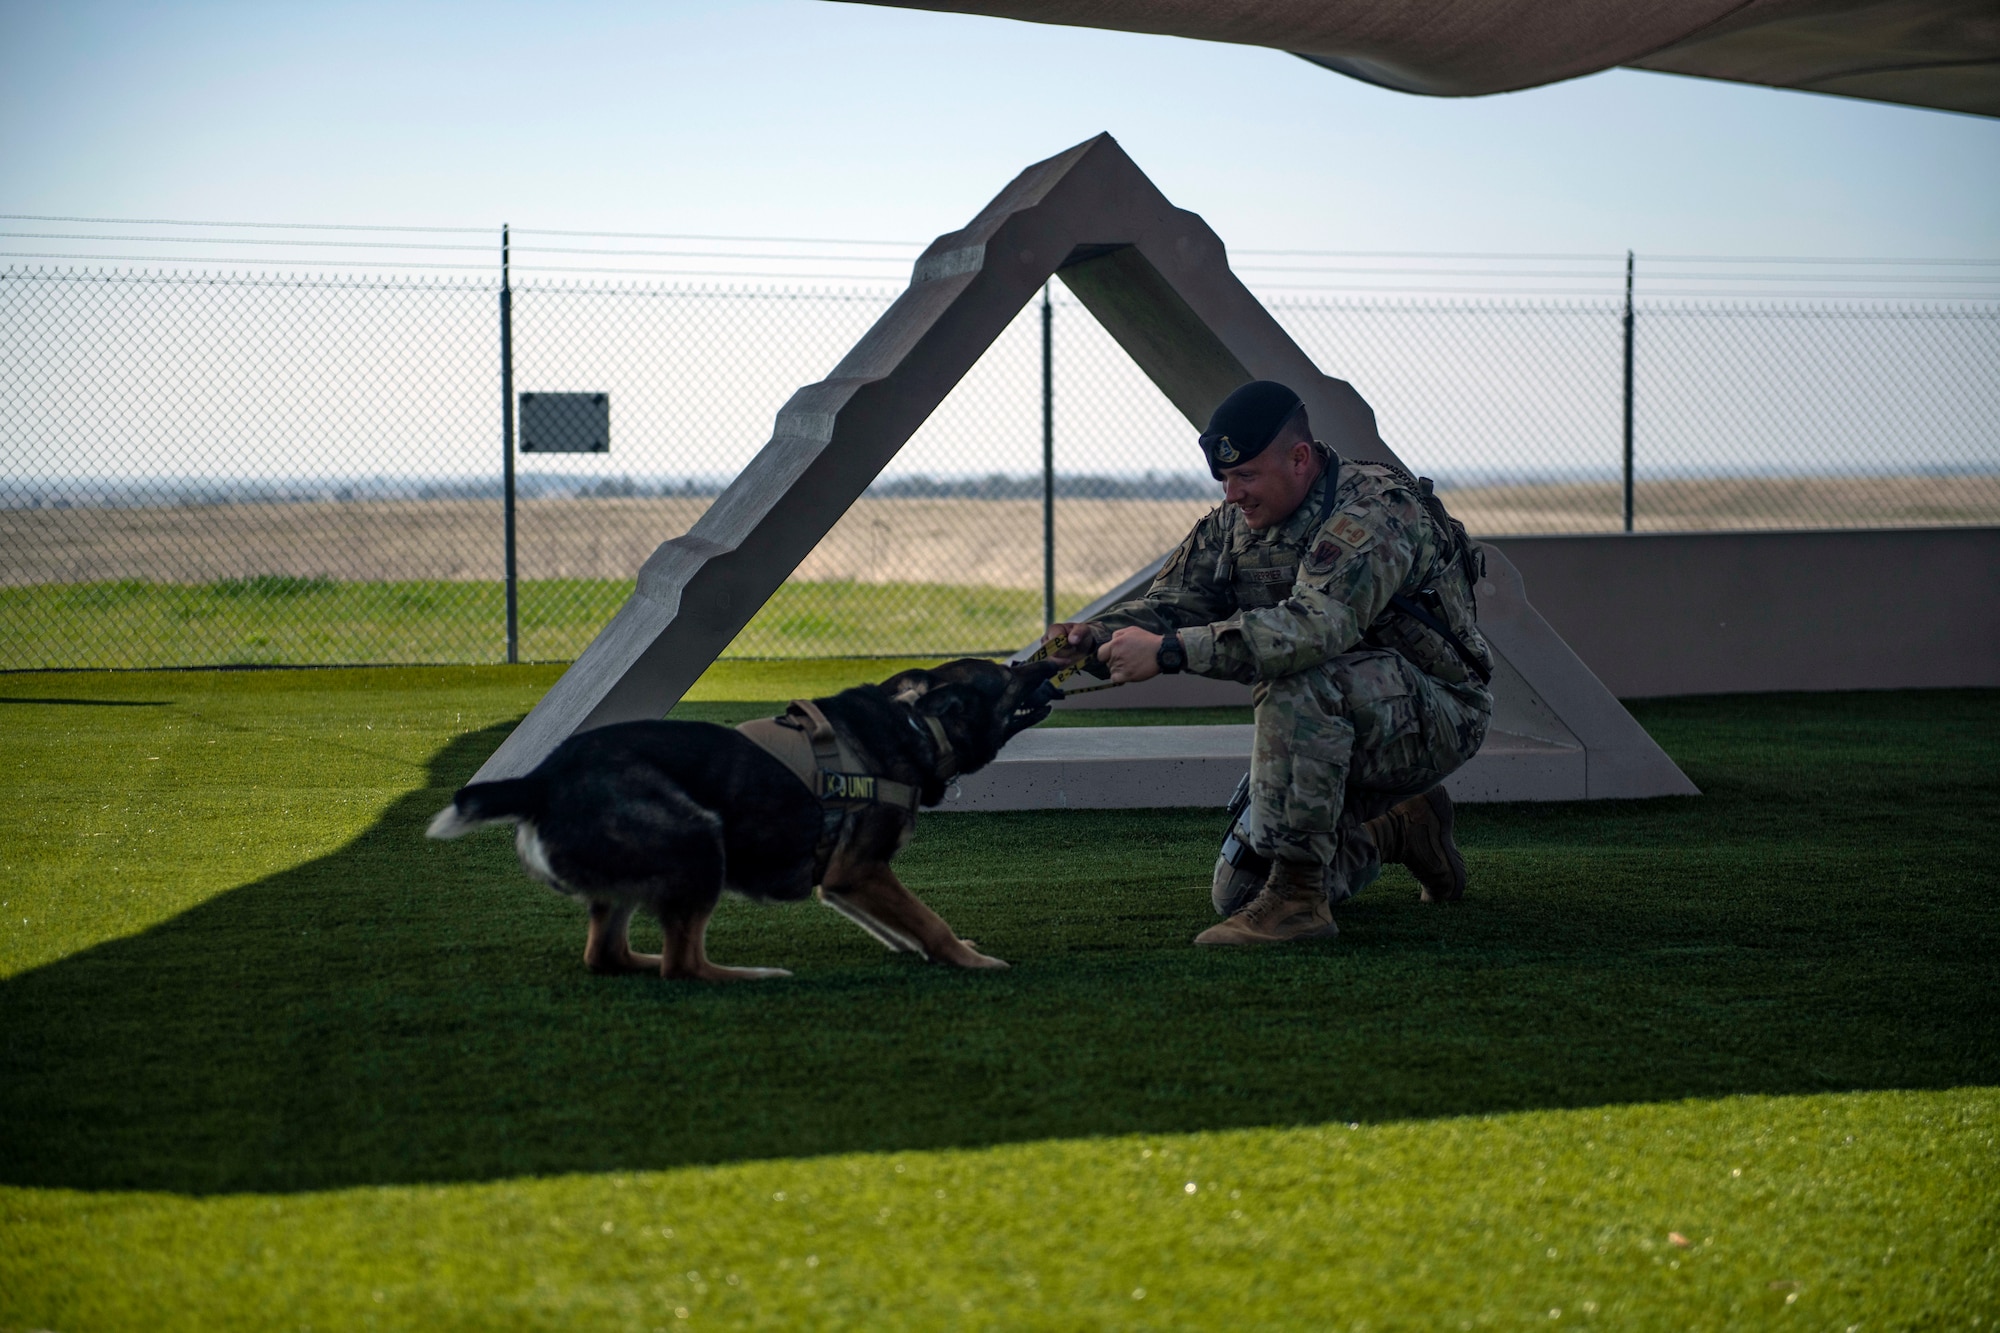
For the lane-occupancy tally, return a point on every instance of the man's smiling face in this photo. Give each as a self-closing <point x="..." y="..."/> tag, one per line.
<point x="1270" y="487"/>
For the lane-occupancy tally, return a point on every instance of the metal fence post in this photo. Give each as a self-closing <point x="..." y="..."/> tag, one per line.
<point x="1048" y="461"/>
<point x="507" y="450"/>
<point x="1628" y="391"/>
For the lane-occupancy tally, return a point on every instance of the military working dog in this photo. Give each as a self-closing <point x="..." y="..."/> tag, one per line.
<point x="663" y="816"/>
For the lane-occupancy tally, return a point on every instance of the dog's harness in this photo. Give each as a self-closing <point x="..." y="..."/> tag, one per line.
<point x="804" y="741"/>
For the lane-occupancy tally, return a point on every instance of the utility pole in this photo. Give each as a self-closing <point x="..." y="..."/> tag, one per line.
<point x="507" y="448"/>
<point x="1628" y="391"/>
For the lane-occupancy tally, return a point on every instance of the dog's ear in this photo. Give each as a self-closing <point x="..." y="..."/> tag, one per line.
<point x="979" y="672"/>
<point x="906" y="687"/>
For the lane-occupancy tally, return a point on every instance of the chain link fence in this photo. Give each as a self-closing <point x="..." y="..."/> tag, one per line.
<point x="223" y="469"/>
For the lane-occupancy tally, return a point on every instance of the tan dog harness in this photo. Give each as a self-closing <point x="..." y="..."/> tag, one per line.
<point x="804" y="741"/>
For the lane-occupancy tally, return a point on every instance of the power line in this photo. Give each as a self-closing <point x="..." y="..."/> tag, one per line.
<point x="287" y="226"/>
<point x="1452" y="290"/>
<point x="1556" y="257"/>
<point x="252" y="263"/>
<point x="692" y="236"/>
<point x="238" y="240"/>
<point x="704" y="254"/>
<point x="1431" y="254"/>
<point x="1653" y="278"/>
<point x="1490" y="255"/>
<point x="1447" y="290"/>
<point x="1415" y="272"/>
<point x="874" y="280"/>
<point x="1797" y="259"/>
<point x="449" y="245"/>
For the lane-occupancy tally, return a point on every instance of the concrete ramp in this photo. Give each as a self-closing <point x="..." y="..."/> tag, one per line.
<point x="1132" y="768"/>
<point x="1158" y="280"/>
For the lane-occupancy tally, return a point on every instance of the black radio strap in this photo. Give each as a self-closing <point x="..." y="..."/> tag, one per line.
<point x="1410" y="607"/>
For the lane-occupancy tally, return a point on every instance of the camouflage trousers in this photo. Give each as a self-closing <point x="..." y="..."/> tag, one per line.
<point x="1340" y="743"/>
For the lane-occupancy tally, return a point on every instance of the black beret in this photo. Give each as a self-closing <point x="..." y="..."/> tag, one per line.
<point x="1246" y="423"/>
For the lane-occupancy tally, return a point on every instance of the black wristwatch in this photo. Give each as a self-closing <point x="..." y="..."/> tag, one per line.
<point x="1172" y="657"/>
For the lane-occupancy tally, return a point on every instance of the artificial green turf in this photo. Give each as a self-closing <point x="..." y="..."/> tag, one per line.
<point x="279" y="620"/>
<point x="267" y="1050"/>
<point x="1823" y="1212"/>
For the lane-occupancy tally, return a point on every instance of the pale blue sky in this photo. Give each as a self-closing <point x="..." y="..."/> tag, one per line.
<point x="801" y="117"/>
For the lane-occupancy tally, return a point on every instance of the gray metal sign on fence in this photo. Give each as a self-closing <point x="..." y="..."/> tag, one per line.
<point x="565" y="423"/>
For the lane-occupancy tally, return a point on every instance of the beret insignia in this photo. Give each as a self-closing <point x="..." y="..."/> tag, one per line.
<point x="1225" y="452"/>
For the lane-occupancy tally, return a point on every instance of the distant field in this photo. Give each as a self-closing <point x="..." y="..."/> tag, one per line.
<point x="419" y="581"/>
<point x="277" y="621"/>
<point x="1731" y="503"/>
<point x="987" y="543"/>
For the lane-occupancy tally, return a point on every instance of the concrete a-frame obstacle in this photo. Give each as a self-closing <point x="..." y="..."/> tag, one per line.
<point x="1159" y="282"/>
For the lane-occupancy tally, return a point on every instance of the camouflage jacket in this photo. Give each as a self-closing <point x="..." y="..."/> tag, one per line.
<point x="1259" y="605"/>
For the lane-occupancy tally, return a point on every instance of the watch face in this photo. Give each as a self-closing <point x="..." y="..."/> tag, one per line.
<point x="1171" y="656"/>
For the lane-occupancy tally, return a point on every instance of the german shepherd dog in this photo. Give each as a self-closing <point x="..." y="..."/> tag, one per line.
<point x="666" y="815"/>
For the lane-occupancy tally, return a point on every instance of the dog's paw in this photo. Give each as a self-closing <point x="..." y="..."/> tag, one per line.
<point x="961" y="953"/>
<point x="625" y="965"/>
<point x="717" y="972"/>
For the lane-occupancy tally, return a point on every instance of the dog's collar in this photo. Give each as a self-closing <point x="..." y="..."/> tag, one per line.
<point x="947" y="757"/>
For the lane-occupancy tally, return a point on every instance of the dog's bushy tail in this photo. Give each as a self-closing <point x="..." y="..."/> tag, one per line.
<point x="510" y="800"/>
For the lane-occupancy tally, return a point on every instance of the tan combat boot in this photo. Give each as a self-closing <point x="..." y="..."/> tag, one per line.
<point x="1292" y="906"/>
<point x="1417" y="834"/>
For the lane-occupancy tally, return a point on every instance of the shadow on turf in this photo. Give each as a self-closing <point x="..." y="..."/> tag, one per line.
<point x="405" y="1011"/>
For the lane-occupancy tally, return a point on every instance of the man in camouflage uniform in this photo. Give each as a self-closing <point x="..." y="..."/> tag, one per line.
<point x="1343" y="592"/>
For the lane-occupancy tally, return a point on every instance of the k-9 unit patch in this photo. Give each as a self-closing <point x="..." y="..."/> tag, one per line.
<point x="1350" y="532"/>
<point x="1344" y="535"/>
<point x="846" y="786"/>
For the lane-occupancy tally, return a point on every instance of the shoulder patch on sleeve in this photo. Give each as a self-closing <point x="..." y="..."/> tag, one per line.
<point x="1343" y="535"/>
<point x="1351" y="532"/>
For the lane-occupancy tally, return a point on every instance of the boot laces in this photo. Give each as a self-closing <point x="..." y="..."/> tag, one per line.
<point x="1395" y="836"/>
<point x="1268" y="902"/>
<point x="1271" y="902"/>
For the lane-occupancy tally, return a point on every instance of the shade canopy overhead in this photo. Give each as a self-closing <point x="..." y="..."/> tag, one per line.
<point x="1942" y="54"/>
